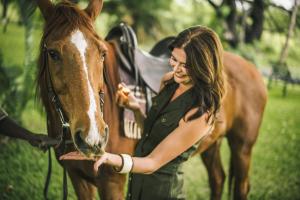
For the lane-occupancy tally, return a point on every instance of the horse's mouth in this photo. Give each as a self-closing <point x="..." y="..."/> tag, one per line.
<point x="87" y="150"/>
<point x="91" y="153"/>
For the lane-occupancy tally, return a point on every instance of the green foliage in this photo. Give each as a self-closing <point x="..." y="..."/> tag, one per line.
<point x="276" y="20"/>
<point x="18" y="87"/>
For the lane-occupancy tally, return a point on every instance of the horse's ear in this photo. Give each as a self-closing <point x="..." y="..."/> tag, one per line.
<point x="46" y="7"/>
<point x="94" y="8"/>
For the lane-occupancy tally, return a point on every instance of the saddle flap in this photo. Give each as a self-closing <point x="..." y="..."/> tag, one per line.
<point x="151" y="68"/>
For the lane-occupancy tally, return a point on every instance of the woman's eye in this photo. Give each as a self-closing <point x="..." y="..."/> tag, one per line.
<point x="54" y="55"/>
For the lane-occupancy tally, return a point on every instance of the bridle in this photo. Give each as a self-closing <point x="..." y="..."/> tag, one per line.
<point x="54" y="99"/>
<point x="62" y="141"/>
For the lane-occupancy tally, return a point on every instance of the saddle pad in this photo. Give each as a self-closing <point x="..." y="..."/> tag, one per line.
<point x="131" y="129"/>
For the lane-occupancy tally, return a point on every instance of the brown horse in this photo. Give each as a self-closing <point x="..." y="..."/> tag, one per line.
<point x="240" y="118"/>
<point x="71" y="67"/>
<point x="71" y="72"/>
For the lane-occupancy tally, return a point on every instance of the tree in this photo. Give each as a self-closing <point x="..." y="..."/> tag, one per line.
<point x="280" y="68"/>
<point x="143" y="16"/>
<point x="243" y="24"/>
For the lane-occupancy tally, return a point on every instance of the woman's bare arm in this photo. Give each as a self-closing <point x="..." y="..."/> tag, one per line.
<point x="181" y="139"/>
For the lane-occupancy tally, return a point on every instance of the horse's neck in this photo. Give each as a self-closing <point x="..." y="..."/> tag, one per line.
<point x="111" y="69"/>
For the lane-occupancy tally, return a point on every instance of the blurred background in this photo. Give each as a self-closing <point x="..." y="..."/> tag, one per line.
<point x="266" y="32"/>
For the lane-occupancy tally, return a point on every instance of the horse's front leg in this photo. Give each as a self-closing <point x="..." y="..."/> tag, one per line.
<point x="83" y="189"/>
<point x="111" y="184"/>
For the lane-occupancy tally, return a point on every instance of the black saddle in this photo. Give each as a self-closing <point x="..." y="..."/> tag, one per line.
<point x="147" y="68"/>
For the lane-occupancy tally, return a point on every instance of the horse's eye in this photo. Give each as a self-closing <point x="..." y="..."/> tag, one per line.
<point x="54" y="55"/>
<point x="103" y="56"/>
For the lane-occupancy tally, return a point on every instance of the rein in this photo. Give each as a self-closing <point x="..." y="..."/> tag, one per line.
<point x="62" y="138"/>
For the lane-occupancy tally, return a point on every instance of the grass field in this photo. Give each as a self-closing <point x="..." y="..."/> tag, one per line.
<point x="274" y="174"/>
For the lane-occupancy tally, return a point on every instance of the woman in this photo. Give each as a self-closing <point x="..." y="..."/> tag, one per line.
<point x="182" y="114"/>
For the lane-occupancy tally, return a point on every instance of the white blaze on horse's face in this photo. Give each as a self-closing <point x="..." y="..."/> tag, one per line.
<point x="93" y="137"/>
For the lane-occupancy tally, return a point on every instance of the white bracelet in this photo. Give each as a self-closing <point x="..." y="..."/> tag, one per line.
<point x="127" y="164"/>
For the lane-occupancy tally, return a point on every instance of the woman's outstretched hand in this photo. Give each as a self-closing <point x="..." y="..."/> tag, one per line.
<point x="125" y="98"/>
<point x="75" y="155"/>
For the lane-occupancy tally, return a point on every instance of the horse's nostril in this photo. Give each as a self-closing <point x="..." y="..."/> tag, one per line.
<point x="79" y="141"/>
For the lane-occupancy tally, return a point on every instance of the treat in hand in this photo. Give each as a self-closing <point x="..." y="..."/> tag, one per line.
<point x="125" y="98"/>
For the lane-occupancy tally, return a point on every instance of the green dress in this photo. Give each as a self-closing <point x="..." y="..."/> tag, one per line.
<point x="163" y="118"/>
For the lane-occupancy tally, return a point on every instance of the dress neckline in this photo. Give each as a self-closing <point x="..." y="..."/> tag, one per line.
<point x="185" y="93"/>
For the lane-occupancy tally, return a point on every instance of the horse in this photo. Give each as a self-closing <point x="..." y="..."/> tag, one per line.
<point x="75" y="65"/>
<point x="70" y="84"/>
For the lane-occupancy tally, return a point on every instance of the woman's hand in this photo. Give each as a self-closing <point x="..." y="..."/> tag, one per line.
<point x="76" y="155"/>
<point x="125" y="98"/>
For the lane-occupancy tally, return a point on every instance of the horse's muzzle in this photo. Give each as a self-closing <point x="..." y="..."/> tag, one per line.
<point x="87" y="149"/>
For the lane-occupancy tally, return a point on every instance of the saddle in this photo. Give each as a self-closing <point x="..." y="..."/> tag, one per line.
<point x="146" y="68"/>
<point x="139" y="70"/>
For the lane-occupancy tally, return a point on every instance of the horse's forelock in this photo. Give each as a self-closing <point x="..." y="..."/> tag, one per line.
<point x="66" y="18"/>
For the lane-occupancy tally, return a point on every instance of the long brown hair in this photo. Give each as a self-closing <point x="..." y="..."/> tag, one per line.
<point x="204" y="53"/>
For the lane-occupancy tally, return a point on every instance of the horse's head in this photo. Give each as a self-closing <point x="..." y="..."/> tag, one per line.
<point x="71" y="62"/>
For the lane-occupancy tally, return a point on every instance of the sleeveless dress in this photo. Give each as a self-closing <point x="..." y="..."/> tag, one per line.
<point x="167" y="182"/>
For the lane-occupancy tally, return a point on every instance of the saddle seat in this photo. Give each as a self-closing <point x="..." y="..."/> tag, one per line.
<point x="145" y="68"/>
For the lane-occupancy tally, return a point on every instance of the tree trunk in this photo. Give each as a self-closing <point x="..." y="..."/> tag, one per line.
<point x="27" y="84"/>
<point x="254" y="31"/>
<point x="4" y="8"/>
<point x="231" y="34"/>
<point x="292" y="24"/>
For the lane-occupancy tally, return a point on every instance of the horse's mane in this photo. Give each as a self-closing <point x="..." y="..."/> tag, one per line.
<point x="66" y="18"/>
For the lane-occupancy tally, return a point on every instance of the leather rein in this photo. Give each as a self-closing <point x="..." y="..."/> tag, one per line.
<point x="62" y="141"/>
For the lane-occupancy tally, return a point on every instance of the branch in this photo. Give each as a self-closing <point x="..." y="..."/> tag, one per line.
<point x="270" y="4"/>
<point x="274" y="21"/>
<point x="216" y="7"/>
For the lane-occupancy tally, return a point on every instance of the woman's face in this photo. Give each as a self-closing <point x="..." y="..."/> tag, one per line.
<point x="178" y="63"/>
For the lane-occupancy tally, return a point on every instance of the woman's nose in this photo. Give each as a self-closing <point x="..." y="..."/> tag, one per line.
<point x="176" y="67"/>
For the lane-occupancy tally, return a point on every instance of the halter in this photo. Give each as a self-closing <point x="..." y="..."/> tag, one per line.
<point x="62" y="141"/>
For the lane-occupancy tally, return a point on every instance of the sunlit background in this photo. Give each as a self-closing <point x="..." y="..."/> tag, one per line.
<point x="262" y="31"/>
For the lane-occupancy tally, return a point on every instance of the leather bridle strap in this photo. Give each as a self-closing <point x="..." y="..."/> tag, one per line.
<point x="65" y="127"/>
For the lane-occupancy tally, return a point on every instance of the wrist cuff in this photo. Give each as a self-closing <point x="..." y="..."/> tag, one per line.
<point x="127" y="164"/>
